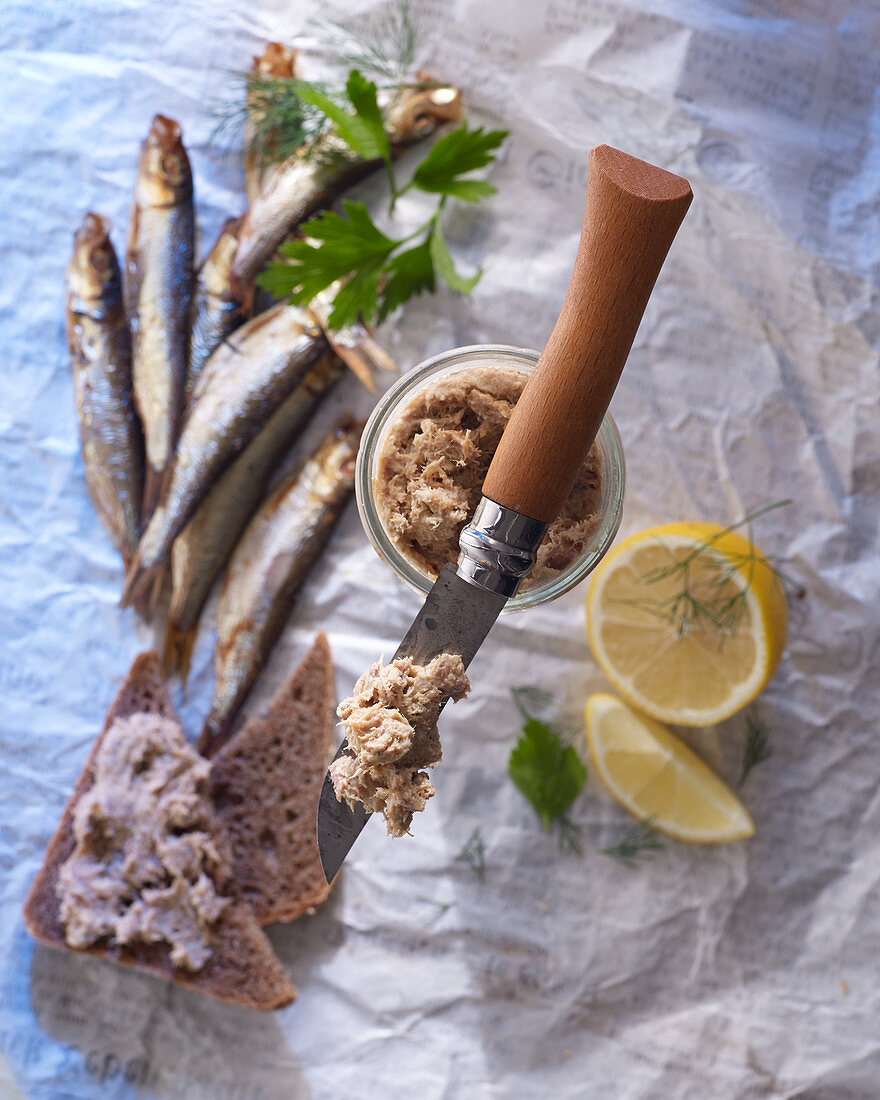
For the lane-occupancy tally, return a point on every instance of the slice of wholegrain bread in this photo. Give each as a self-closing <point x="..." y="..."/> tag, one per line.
<point x="266" y="782"/>
<point x="242" y="968"/>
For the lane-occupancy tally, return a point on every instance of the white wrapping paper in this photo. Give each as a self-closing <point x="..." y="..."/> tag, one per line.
<point x="725" y="972"/>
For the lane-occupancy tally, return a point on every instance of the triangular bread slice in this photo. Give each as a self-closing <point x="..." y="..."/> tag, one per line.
<point x="266" y="782"/>
<point x="243" y="968"/>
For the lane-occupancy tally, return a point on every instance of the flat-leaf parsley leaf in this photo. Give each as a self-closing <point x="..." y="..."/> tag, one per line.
<point x="548" y="773"/>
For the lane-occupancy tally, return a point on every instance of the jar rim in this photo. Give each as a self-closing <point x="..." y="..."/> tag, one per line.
<point x="457" y="359"/>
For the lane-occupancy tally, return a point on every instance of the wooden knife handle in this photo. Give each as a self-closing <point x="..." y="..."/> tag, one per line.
<point x="632" y="214"/>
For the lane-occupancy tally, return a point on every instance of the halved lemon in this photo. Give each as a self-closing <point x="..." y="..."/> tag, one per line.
<point x="660" y="778"/>
<point x="687" y="621"/>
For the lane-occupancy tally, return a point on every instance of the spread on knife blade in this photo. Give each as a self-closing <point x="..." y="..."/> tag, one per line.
<point x="391" y="725"/>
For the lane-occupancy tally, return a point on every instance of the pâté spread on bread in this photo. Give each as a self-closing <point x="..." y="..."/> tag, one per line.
<point x="146" y="868"/>
<point x="391" y="725"/>
<point x="434" y="459"/>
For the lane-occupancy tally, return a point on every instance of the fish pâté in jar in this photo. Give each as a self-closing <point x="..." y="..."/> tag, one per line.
<point x="425" y="454"/>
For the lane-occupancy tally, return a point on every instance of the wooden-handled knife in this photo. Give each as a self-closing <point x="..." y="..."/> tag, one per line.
<point x="633" y="211"/>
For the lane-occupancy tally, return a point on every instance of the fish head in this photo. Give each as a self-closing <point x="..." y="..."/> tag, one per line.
<point x="93" y="275"/>
<point x="419" y="110"/>
<point x="164" y="174"/>
<point x="276" y="61"/>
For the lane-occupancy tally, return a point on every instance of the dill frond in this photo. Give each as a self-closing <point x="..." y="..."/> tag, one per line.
<point x="531" y="699"/>
<point x="441" y="908"/>
<point x="640" y="841"/>
<point x="474" y="854"/>
<point x="713" y="606"/>
<point x="756" y="747"/>
<point x="383" y="46"/>
<point x="280" y="121"/>
<point x="267" y="116"/>
<point x="569" y="835"/>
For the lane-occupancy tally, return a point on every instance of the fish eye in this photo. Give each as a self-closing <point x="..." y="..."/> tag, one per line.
<point x="171" y="165"/>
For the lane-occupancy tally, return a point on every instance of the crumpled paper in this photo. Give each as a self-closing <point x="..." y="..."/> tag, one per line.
<point x="741" y="971"/>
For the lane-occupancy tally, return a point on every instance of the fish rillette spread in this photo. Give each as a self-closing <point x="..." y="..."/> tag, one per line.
<point x="435" y="457"/>
<point x="145" y="868"/>
<point x="391" y="725"/>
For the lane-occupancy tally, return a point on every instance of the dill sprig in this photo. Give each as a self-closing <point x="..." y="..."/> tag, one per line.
<point x="531" y="700"/>
<point x="709" y="602"/>
<point x="441" y="908"/>
<point x="640" y="841"/>
<point x="383" y="45"/>
<point x="275" y="117"/>
<point x="569" y="835"/>
<point x="474" y="854"/>
<point x="756" y="747"/>
<point x="280" y="120"/>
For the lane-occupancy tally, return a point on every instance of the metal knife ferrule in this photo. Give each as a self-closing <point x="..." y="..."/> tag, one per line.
<point x="498" y="548"/>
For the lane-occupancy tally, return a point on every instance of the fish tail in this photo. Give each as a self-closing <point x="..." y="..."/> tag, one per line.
<point x="214" y="732"/>
<point x="139" y="589"/>
<point x="145" y="602"/>
<point x="177" y="654"/>
<point x="152" y="491"/>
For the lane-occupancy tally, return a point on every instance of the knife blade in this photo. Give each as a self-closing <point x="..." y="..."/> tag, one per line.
<point x="455" y="618"/>
<point x="632" y="213"/>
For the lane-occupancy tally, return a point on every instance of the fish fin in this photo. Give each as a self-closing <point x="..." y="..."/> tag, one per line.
<point x="177" y="654"/>
<point x="362" y="358"/>
<point x="378" y="356"/>
<point x="356" y="363"/>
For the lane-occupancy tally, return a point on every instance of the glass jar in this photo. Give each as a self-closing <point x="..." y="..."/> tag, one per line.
<point x="423" y="377"/>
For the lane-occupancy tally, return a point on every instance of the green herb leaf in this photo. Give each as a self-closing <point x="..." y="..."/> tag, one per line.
<point x="444" y="265"/>
<point x="357" y="296"/>
<point x="548" y="773"/>
<point x="279" y="280"/>
<point x="409" y="273"/>
<point x="362" y="96"/>
<point x="334" y="247"/>
<point x="362" y="130"/>
<point x="452" y="156"/>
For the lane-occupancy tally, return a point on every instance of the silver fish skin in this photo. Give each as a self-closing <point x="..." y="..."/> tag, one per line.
<point x="203" y="547"/>
<point x="158" y="292"/>
<point x="100" y="352"/>
<point x="279" y="63"/>
<point x="241" y="385"/>
<point x="269" y="567"/>
<point x="323" y="167"/>
<point x="217" y="312"/>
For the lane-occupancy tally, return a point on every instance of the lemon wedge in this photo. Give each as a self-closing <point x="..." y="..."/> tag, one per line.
<point x="656" y="776"/>
<point x="687" y="621"/>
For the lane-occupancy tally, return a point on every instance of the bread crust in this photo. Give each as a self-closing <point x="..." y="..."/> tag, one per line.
<point x="277" y="865"/>
<point x="243" y="968"/>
